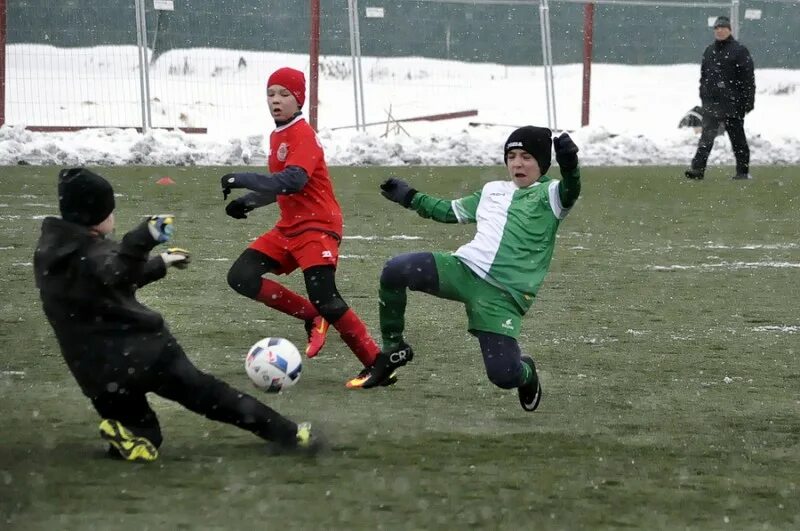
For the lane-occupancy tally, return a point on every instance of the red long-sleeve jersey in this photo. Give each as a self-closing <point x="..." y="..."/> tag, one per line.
<point x="315" y="206"/>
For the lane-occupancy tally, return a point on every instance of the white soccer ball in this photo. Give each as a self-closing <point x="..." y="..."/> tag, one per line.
<point x="273" y="364"/>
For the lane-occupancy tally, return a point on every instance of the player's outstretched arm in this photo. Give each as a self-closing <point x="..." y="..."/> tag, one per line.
<point x="289" y="181"/>
<point x="402" y="193"/>
<point x="567" y="157"/>
<point x="127" y="264"/>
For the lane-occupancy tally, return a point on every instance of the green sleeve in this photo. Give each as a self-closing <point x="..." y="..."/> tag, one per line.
<point x="444" y="210"/>
<point x="569" y="188"/>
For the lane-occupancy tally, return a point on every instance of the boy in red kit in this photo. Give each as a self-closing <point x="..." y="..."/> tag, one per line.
<point x="309" y="230"/>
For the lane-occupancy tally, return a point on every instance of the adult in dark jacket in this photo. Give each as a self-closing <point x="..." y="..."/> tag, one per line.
<point x="727" y="90"/>
<point x="116" y="348"/>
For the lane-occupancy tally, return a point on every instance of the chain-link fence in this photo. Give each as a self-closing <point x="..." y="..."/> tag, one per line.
<point x="77" y="63"/>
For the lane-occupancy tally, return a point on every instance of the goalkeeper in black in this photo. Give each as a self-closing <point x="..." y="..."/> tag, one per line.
<point x="117" y="349"/>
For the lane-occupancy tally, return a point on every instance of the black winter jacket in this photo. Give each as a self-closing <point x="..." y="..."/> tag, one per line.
<point x="88" y="289"/>
<point x="727" y="80"/>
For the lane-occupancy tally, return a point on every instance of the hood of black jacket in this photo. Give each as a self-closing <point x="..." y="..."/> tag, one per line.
<point x="58" y="242"/>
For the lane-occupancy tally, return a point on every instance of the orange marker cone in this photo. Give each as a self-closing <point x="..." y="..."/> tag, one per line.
<point x="165" y="180"/>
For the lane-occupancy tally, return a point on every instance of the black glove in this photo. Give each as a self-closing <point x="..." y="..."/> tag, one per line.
<point x="228" y="182"/>
<point x="398" y="190"/>
<point x="238" y="209"/>
<point x="566" y="152"/>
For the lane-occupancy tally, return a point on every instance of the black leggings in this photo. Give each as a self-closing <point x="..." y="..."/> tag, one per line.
<point x="175" y="378"/>
<point x="245" y="277"/>
<point x="501" y="354"/>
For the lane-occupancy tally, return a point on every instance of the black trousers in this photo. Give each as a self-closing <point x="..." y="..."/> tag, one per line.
<point x="735" y="128"/>
<point x="174" y="377"/>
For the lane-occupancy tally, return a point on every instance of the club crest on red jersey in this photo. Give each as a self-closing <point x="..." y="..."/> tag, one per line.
<point x="283" y="151"/>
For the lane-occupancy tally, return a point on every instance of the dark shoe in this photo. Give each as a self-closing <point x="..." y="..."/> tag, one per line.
<point x="530" y="394"/>
<point x="383" y="370"/>
<point x="129" y="446"/>
<point x="742" y="177"/>
<point x="692" y="173"/>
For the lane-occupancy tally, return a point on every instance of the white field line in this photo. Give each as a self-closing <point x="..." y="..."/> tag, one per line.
<point x="727" y="265"/>
<point x="790" y="329"/>
<point x="371" y="238"/>
<point x="748" y="246"/>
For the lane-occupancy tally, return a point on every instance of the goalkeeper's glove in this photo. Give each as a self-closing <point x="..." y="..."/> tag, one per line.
<point x="398" y="190"/>
<point x="176" y="257"/>
<point x="161" y="227"/>
<point x="566" y="152"/>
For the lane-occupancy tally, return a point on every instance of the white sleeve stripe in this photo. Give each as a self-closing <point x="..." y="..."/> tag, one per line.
<point x="461" y="215"/>
<point x="555" y="201"/>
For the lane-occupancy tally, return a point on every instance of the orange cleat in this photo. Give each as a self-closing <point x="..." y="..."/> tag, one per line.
<point x="317" y="329"/>
<point x="365" y="375"/>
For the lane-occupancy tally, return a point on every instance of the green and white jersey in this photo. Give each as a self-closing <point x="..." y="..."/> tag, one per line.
<point x="516" y="234"/>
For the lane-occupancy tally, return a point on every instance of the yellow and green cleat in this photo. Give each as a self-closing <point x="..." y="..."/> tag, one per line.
<point x="129" y="446"/>
<point x="308" y="442"/>
<point x="304" y="436"/>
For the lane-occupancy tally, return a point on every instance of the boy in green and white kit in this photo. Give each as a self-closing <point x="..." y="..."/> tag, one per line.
<point x="498" y="273"/>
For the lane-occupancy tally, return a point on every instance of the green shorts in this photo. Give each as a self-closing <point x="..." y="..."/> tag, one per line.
<point x="489" y="308"/>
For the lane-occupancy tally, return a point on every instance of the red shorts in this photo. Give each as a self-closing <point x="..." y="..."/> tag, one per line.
<point x="307" y="249"/>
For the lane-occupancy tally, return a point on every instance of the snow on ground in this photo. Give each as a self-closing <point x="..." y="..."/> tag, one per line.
<point x="634" y="115"/>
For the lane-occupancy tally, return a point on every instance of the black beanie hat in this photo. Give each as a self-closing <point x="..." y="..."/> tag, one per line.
<point x="722" y="22"/>
<point x="84" y="197"/>
<point x="537" y="141"/>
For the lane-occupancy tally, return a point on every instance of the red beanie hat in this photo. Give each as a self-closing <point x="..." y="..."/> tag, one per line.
<point x="293" y="80"/>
